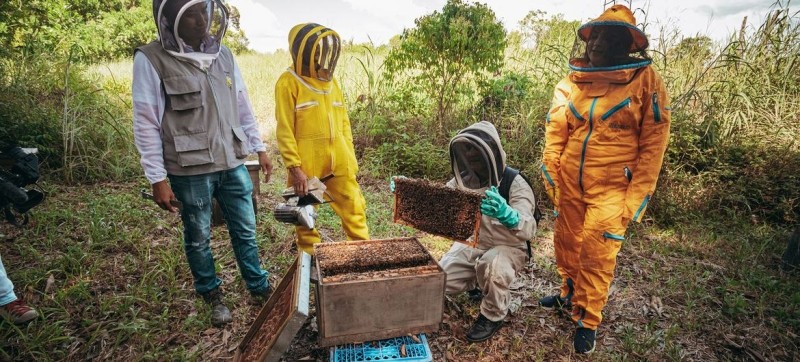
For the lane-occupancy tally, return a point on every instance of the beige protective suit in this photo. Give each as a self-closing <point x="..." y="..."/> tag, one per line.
<point x="501" y="252"/>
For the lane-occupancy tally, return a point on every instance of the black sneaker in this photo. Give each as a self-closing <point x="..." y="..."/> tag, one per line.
<point x="220" y="314"/>
<point x="555" y="301"/>
<point x="584" y="340"/>
<point x="482" y="329"/>
<point x="259" y="298"/>
<point x="475" y="295"/>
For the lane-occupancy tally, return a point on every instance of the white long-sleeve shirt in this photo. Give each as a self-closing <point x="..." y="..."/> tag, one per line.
<point x="148" y="109"/>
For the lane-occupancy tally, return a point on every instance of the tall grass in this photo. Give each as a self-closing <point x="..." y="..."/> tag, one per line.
<point x="76" y="120"/>
<point x="106" y="270"/>
<point x="734" y="148"/>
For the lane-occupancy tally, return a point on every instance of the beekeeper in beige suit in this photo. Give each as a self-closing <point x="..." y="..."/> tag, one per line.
<point x="507" y="224"/>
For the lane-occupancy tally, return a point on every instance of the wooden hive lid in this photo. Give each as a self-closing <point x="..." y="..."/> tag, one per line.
<point x="279" y="320"/>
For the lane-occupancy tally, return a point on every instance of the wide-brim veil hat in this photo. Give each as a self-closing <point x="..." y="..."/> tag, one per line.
<point x="617" y="15"/>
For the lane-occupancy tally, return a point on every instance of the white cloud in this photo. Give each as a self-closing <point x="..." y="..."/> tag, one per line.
<point x="260" y="25"/>
<point x="379" y="21"/>
<point x="266" y="22"/>
<point x="401" y="12"/>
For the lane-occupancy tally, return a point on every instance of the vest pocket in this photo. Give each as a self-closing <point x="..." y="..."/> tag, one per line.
<point x="240" y="142"/>
<point x="184" y="93"/>
<point x="193" y="149"/>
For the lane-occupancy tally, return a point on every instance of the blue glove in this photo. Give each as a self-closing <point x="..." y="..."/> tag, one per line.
<point x="391" y="182"/>
<point x="494" y="205"/>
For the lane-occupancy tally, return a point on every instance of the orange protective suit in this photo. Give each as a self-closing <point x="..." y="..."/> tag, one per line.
<point x="606" y="134"/>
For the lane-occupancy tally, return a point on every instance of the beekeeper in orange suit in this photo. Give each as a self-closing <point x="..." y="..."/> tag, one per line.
<point x="606" y="134"/>
<point x="313" y="129"/>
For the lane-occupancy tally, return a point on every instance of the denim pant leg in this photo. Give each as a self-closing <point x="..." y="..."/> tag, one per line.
<point x="195" y="194"/>
<point x="6" y="287"/>
<point x="235" y="199"/>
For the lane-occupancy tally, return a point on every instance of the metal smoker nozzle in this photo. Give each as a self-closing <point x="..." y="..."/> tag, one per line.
<point x="296" y="215"/>
<point x="300" y="210"/>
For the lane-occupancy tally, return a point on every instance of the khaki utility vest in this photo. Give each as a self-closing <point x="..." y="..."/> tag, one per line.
<point x="200" y="126"/>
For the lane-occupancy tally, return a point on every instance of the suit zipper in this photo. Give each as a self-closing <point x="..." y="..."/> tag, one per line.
<point x="656" y="111"/>
<point x="585" y="142"/>
<point x="626" y="102"/>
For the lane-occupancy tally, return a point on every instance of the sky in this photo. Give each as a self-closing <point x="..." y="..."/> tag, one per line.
<point x="267" y="22"/>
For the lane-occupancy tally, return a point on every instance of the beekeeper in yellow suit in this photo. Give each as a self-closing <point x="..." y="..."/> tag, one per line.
<point x="313" y="129"/>
<point x="606" y="134"/>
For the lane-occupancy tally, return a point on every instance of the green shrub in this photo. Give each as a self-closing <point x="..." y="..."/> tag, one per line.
<point x="419" y="159"/>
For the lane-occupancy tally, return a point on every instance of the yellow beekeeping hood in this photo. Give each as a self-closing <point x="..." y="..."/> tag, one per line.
<point x="315" y="50"/>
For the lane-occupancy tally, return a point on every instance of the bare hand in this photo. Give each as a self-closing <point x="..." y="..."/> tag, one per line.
<point x="266" y="165"/>
<point x="299" y="181"/>
<point x="162" y="195"/>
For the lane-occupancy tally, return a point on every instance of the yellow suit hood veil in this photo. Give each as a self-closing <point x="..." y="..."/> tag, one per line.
<point x="315" y="50"/>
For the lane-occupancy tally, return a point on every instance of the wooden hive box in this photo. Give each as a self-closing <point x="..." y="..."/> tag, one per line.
<point x="281" y="318"/>
<point x="437" y="209"/>
<point x="376" y="289"/>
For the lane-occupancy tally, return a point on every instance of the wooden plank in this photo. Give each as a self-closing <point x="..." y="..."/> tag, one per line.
<point x="378" y="309"/>
<point x="300" y="313"/>
<point x="297" y="282"/>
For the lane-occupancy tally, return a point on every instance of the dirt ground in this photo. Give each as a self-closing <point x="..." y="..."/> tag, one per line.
<point x="640" y="324"/>
<point x="675" y="297"/>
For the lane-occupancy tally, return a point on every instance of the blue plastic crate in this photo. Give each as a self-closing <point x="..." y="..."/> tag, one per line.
<point x="384" y="350"/>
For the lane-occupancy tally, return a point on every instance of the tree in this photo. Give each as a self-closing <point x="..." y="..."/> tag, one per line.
<point x="697" y="49"/>
<point x="553" y="32"/>
<point x="235" y="39"/>
<point x="446" y="48"/>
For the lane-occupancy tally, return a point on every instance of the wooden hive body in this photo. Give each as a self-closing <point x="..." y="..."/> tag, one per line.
<point x="378" y="298"/>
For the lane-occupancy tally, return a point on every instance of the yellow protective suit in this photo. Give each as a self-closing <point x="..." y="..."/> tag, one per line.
<point x="313" y="132"/>
<point x="606" y="134"/>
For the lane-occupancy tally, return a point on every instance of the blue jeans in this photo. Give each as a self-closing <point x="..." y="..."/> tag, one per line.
<point x="233" y="191"/>
<point x="6" y="288"/>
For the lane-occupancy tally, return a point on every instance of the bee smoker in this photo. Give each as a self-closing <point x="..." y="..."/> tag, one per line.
<point x="299" y="210"/>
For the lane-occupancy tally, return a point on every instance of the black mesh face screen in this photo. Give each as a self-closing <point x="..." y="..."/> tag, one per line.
<point x="315" y="51"/>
